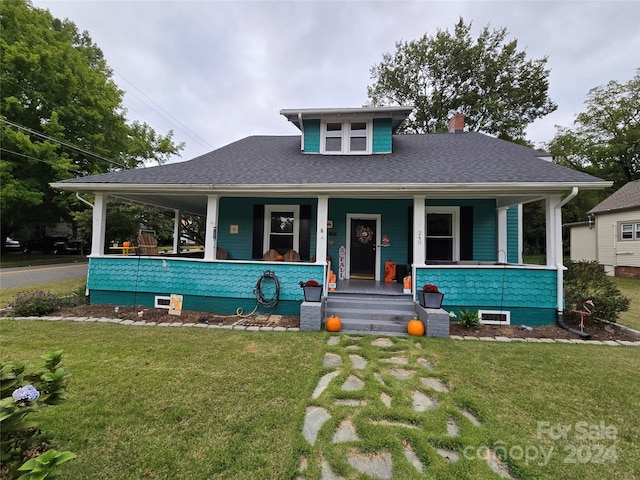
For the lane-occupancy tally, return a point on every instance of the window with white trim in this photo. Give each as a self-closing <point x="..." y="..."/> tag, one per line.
<point x="442" y="227"/>
<point x="282" y="228"/>
<point x="346" y="137"/>
<point x="630" y="231"/>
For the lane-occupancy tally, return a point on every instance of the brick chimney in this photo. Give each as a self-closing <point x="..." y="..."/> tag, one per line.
<point x="456" y="124"/>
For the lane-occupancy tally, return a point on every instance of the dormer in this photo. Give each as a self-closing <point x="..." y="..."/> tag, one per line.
<point x="347" y="131"/>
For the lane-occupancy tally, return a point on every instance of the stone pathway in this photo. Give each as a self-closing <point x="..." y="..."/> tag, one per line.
<point x="394" y="375"/>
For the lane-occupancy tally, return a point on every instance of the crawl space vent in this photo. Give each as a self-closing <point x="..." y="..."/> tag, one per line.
<point x="494" y="317"/>
<point x="163" y="302"/>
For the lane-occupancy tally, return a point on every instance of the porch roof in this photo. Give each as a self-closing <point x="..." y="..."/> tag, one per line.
<point x="440" y="165"/>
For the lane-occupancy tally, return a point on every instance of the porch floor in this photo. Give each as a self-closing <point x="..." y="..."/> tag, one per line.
<point x="368" y="287"/>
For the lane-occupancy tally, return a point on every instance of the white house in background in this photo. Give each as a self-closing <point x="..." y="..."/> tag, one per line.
<point x="612" y="236"/>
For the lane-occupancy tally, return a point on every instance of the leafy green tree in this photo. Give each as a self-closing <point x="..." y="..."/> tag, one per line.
<point x="61" y="115"/>
<point x="488" y="79"/>
<point x="605" y="139"/>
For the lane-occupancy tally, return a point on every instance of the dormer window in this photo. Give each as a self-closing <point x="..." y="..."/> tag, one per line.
<point x="346" y="137"/>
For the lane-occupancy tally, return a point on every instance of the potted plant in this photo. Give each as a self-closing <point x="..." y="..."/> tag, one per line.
<point x="430" y="296"/>
<point x="312" y="291"/>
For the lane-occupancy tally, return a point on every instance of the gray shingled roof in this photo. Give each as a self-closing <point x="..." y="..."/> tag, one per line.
<point x="627" y="197"/>
<point x="416" y="159"/>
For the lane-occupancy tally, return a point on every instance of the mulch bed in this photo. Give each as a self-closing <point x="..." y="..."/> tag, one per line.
<point x="597" y="330"/>
<point x="161" y="315"/>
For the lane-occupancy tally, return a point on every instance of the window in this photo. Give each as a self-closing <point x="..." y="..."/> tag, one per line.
<point x="282" y="228"/>
<point x="346" y="137"/>
<point x="442" y="234"/>
<point x="630" y="231"/>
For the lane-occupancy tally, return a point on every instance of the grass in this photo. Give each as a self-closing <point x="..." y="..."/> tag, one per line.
<point x="62" y="288"/>
<point x="147" y="402"/>
<point x="630" y="288"/>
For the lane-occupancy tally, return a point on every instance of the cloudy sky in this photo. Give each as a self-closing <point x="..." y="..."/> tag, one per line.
<point x="218" y="71"/>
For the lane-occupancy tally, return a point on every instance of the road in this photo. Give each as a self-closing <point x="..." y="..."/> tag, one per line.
<point x="27" y="276"/>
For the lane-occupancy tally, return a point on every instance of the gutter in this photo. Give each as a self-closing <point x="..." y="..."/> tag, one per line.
<point x="560" y="278"/>
<point x="83" y="200"/>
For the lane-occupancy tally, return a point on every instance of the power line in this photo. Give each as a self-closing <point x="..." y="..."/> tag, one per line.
<point x="195" y="136"/>
<point x="68" y="145"/>
<point x="37" y="159"/>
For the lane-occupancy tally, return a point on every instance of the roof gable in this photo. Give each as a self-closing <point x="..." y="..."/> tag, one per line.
<point x="626" y="197"/>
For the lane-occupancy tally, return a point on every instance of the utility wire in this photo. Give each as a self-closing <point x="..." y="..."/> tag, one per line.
<point x="68" y="145"/>
<point x="36" y="159"/>
<point x="188" y="130"/>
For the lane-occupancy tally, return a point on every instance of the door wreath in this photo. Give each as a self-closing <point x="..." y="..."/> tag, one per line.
<point x="364" y="234"/>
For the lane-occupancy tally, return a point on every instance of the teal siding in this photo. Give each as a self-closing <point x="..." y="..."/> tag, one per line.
<point x="382" y="136"/>
<point x="140" y="279"/>
<point x="311" y="136"/>
<point x="512" y="235"/>
<point x="239" y="211"/>
<point x="529" y="294"/>
<point x="485" y="224"/>
<point x="394" y="223"/>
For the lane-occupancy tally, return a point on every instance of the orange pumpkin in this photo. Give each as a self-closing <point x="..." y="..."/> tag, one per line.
<point x="126" y="244"/>
<point x="333" y="324"/>
<point x="279" y="258"/>
<point x="415" y="328"/>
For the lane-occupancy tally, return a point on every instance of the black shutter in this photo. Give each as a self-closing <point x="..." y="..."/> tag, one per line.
<point x="410" y="239"/>
<point x="305" y="232"/>
<point x="258" y="232"/>
<point x="466" y="233"/>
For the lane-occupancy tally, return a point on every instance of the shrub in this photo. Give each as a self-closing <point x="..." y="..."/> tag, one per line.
<point x="22" y="394"/>
<point x="35" y="302"/>
<point x="587" y="281"/>
<point x="469" y="319"/>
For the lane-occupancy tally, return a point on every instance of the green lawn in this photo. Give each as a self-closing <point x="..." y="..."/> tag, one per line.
<point x="630" y="288"/>
<point x="164" y="403"/>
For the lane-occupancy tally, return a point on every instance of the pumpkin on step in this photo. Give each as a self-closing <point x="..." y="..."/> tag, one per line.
<point x="333" y="324"/>
<point x="415" y="328"/>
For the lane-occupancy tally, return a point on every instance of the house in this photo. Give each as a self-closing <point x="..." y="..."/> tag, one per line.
<point x="348" y="195"/>
<point x="612" y="235"/>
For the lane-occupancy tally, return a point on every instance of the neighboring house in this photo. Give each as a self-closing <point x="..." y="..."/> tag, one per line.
<point x="612" y="235"/>
<point x="446" y="206"/>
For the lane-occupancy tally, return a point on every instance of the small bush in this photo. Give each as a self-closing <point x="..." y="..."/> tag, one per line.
<point x="469" y="319"/>
<point x="35" y="302"/>
<point x="22" y="394"/>
<point x="587" y="281"/>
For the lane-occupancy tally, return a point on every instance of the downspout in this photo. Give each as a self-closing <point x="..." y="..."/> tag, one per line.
<point x="83" y="200"/>
<point x="560" y="277"/>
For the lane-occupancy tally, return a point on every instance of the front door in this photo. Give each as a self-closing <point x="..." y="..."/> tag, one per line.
<point x="362" y="258"/>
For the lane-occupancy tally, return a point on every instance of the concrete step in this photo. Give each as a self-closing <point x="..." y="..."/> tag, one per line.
<point x="356" y="325"/>
<point x="364" y="313"/>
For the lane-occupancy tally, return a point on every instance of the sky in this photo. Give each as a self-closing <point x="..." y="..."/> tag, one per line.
<point x="218" y="71"/>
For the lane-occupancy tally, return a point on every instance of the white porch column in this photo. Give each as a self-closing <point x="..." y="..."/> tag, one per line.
<point x="520" y="233"/>
<point x="211" y="233"/>
<point x="176" y="231"/>
<point x="502" y="234"/>
<point x="99" y="225"/>
<point x="419" y="252"/>
<point x="553" y="218"/>
<point x="322" y="217"/>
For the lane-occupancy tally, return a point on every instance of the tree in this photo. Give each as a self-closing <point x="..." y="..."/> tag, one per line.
<point x="605" y="139"/>
<point x="61" y="115"/>
<point x="489" y="80"/>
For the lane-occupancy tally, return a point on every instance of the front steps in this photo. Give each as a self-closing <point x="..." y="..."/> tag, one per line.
<point x="368" y="313"/>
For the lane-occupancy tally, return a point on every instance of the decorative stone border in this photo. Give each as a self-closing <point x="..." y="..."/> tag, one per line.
<point x="574" y="341"/>
<point x="155" y="324"/>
